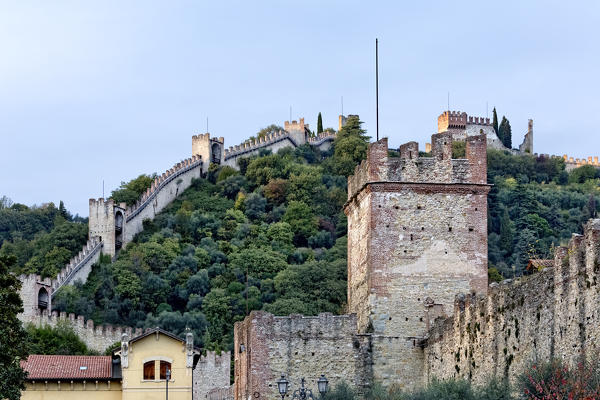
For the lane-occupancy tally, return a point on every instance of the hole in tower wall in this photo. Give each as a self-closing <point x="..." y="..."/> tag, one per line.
<point x="396" y="207"/>
<point x="471" y="229"/>
<point x="411" y="236"/>
<point x="449" y="229"/>
<point x="475" y="208"/>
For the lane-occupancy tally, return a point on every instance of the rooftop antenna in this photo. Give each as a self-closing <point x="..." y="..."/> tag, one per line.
<point x="377" y="85"/>
<point x="486" y="110"/>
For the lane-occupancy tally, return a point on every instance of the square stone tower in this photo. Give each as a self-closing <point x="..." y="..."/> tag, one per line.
<point x="108" y="223"/>
<point x="212" y="150"/>
<point x="417" y="236"/>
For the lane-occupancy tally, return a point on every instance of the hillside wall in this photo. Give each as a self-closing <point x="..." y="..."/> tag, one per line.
<point x="267" y="346"/>
<point x="97" y="338"/>
<point x="162" y="192"/>
<point x="552" y="314"/>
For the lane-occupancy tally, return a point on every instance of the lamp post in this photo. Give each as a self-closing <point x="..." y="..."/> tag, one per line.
<point x="302" y="393"/>
<point x="168" y="376"/>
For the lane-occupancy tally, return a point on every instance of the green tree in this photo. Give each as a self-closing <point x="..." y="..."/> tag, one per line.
<point x="319" y="124"/>
<point x="61" y="339"/>
<point x="350" y="147"/>
<point x="505" y="133"/>
<point x="12" y="335"/>
<point x="495" y="120"/>
<point x="302" y="220"/>
<point x="273" y="128"/>
<point x="130" y="192"/>
<point x="507" y="233"/>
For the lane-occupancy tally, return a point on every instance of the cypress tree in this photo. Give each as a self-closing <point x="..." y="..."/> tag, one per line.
<point x="505" y="133"/>
<point x="495" y="120"/>
<point x="319" y="124"/>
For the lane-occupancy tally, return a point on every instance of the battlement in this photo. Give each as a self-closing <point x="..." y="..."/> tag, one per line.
<point x="410" y="168"/>
<point x="550" y="314"/>
<point x="255" y="144"/>
<point x="89" y="251"/>
<point x="572" y="163"/>
<point x="96" y="337"/>
<point x="295" y="125"/>
<point x="160" y="182"/>
<point x="458" y="120"/>
<point x="322" y="137"/>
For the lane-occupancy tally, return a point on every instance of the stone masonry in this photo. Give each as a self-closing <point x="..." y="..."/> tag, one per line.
<point x="266" y="346"/>
<point x="552" y="314"/>
<point x="417" y="235"/>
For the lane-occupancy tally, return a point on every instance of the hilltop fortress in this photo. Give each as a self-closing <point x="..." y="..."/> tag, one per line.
<point x="419" y="303"/>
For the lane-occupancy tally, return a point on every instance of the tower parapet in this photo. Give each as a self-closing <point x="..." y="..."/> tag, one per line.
<point x="209" y="149"/>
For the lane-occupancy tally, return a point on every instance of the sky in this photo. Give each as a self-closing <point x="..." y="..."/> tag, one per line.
<point x="102" y="91"/>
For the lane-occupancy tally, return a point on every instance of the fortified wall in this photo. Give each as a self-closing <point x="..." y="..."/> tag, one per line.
<point x="552" y="314"/>
<point x="572" y="163"/>
<point x="267" y="346"/>
<point x="211" y="376"/>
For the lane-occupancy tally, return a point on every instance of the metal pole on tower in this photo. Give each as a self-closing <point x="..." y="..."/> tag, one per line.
<point x="377" y="86"/>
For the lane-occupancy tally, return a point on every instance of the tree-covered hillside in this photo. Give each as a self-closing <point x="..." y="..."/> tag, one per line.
<point x="43" y="239"/>
<point x="272" y="236"/>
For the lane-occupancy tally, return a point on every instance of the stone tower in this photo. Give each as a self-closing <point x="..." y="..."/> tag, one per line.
<point x="417" y="236"/>
<point x="107" y="221"/>
<point x="210" y="149"/>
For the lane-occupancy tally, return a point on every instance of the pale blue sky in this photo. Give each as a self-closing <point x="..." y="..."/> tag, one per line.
<point x="93" y="90"/>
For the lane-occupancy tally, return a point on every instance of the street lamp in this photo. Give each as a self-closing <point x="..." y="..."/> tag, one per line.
<point x="282" y="385"/>
<point x="302" y="393"/>
<point x="322" y="384"/>
<point x="168" y="376"/>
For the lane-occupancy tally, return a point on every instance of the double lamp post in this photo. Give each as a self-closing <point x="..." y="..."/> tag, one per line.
<point x="302" y="393"/>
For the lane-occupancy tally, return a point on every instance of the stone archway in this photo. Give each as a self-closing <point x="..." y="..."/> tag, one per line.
<point x="43" y="302"/>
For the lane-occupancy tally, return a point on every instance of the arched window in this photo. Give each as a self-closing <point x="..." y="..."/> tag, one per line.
<point x="43" y="299"/>
<point x="149" y="370"/>
<point x="164" y="366"/>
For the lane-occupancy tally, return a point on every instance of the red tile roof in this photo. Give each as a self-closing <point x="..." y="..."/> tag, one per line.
<point x="67" y="367"/>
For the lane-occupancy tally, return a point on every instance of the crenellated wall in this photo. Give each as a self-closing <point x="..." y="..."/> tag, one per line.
<point x="572" y="163"/>
<point x="97" y="338"/>
<point x="80" y="266"/>
<point x="163" y="190"/>
<point x="267" y="346"/>
<point x="211" y="376"/>
<point x="552" y="314"/>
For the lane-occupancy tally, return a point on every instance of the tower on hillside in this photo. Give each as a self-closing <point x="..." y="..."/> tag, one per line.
<point x="417" y="236"/>
<point x="298" y="131"/>
<point x="210" y="149"/>
<point x="107" y="221"/>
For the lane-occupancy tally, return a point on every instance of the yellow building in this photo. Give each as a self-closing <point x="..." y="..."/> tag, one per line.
<point x="138" y="371"/>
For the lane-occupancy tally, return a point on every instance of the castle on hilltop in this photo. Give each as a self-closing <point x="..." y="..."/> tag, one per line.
<point x="419" y="304"/>
<point x="461" y="126"/>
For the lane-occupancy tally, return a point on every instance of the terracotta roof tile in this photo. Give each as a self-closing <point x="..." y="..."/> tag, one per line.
<point x="539" y="263"/>
<point x="67" y="367"/>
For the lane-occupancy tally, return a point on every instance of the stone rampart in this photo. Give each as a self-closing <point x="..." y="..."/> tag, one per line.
<point x="163" y="190"/>
<point x="272" y="141"/>
<point x="211" y="376"/>
<point x="267" y="346"/>
<point x="80" y="266"/>
<point x="552" y="314"/>
<point x="97" y="338"/>
<point x="572" y="163"/>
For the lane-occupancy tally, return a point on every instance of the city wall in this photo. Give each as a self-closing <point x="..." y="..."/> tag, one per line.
<point x="552" y="314"/>
<point x="211" y="376"/>
<point x="267" y="346"/>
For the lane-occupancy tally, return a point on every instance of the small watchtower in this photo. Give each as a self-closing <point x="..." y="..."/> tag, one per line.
<point x="210" y="149"/>
<point x="417" y="236"/>
<point x="107" y="222"/>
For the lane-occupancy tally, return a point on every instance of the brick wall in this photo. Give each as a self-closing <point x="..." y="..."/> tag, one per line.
<point x="267" y="346"/>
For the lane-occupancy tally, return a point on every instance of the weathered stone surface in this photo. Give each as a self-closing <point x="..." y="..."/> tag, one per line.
<point x="552" y="314"/>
